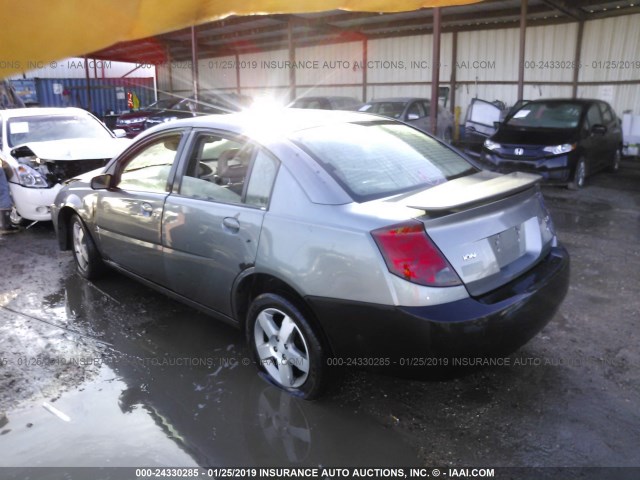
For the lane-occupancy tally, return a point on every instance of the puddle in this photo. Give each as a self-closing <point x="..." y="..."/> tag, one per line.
<point x="176" y="388"/>
<point x="97" y="433"/>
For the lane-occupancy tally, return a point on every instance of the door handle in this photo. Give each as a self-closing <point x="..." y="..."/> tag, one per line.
<point x="146" y="209"/>
<point x="231" y="224"/>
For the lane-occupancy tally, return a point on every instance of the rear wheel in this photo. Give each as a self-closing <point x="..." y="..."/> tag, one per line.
<point x="285" y="345"/>
<point x="579" y="176"/>
<point x="88" y="260"/>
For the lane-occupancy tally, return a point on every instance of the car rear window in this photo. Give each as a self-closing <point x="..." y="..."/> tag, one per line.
<point x="375" y="160"/>
<point x="388" y="109"/>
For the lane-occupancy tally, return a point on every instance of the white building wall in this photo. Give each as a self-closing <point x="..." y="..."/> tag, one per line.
<point x="330" y="64"/>
<point x="550" y="53"/>
<point x="407" y="59"/>
<point x="402" y="66"/>
<point x="487" y="55"/>
<point x="218" y="73"/>
<point x="175" y="78"/>
<point x="611" y="49"/>
<point x="625" y="97"/>
<point x="257" y="73"/>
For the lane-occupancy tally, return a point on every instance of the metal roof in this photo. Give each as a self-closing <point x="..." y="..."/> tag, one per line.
<point x="258" y="33"/>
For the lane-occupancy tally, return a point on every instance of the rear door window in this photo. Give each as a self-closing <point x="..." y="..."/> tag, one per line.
<point x="221" y="168"/>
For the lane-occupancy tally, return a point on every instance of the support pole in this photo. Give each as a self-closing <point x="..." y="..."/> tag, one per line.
<point x="365" y="55"/>
<point x="194" y="63"/>
<point x="523" y="36"/>
<point x="435" y="72"/>
<point x="578" y="58"/>
<point x="86" y="74"/>
<point x="454" y="73"/>
<point x="238" y="87"/>
<point x="292" y="60"/>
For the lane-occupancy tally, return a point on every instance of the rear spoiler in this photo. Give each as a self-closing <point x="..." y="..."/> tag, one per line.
<point x="469" y="191"/>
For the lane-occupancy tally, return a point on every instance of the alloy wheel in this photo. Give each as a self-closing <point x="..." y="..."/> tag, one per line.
<point x="80" y="246"/>
<point x="281" y="348"/>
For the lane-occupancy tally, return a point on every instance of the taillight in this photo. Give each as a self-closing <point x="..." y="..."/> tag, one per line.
<point x="410" y="254"/>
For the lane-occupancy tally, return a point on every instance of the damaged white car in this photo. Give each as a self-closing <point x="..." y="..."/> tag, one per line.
<point x="45" y="146"/>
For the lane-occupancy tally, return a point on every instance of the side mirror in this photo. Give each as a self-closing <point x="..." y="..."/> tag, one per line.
<point x="496" y="125"/>
<point x="412" y="116"/>
<point x="120" y="133"/>
<point x="101" y="182"/>
<point x="598" y="129"/>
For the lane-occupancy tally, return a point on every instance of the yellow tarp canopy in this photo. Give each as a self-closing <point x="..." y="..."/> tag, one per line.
<point x="35" y="32"/>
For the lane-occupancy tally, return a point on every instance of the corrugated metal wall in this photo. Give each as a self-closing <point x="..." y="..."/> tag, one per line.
<point x="488" y="55"/>
<point x="402" y="66"/>
<point x="217" y="73"/>
<point x="611" y="50"/>
<point x="106" y="94"/>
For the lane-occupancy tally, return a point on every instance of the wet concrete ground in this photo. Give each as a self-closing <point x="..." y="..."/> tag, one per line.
<point x="114" y="374"/>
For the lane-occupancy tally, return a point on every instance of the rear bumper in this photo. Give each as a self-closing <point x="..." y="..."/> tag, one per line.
<point x="495" y="324"/>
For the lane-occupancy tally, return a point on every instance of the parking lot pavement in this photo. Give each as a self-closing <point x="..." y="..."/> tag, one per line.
<point x="156" y="383"/>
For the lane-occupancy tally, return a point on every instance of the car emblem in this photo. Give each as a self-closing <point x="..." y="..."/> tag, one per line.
<point x="469" y="256"/>
<point x="519" y="151"/>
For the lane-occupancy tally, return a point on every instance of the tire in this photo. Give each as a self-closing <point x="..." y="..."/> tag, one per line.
<point x="579" y="176"/>
<point x="615" y="165"/>
<point x="300" y="366"/>
<point x="88" y="261"/>
<point x="15" y="218"/>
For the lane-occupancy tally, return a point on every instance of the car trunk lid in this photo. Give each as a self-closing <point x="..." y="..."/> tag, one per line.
<point x="490" y="227"/>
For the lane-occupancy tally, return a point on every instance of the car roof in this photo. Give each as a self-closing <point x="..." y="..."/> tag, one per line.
<point x="398" y="99"/>
<point x="280" y="122"/>
<point x="38" y="111"/>
<point x="581" y="101"/>
<point x="328" y="97"/>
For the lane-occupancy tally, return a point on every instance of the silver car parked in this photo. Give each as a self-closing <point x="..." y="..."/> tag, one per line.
<point x="330" y="238"/>
<point x="414" y="111"/>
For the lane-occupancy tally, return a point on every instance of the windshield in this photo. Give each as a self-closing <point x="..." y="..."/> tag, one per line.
<point x="53" y="127"/>
<point x="546" y="115"/>
<point x="375" y="160"/>
<point x="162" y="104"/>
<point x="388" y="109"/>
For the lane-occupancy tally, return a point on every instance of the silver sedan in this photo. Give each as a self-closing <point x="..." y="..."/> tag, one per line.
<point x="414" y="111"/>
<point x="329" y="238"/>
